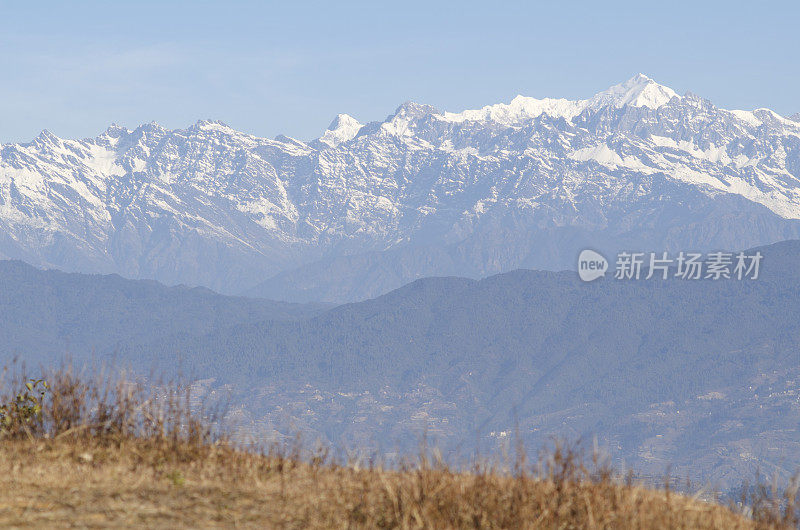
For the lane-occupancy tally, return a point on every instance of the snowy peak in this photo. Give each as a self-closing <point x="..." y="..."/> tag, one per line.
<point x="152" y="127"/>
<point x="47" y="138"/>
<point x="211" y="125"/>
<point x="115" y="131"/>
<point x="343" y="128"/>
<point x="412" y="110"/>
<point x="638" y="91"/>
<point x="406" y="118"/>
<point x="344" y="122"/>
<point x="521" y="109"/>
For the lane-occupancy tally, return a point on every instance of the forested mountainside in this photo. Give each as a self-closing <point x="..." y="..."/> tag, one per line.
<point x="702" y="375"/>
<point x="50" y="315"/>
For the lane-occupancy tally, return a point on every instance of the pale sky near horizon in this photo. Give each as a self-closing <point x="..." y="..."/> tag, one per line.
<point x="288" y="68"/>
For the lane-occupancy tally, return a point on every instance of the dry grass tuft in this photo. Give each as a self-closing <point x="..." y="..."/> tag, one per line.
<point x="105" y="453"/>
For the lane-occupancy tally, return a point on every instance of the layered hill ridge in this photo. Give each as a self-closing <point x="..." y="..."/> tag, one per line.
<point x="699" y="375"/>
<point x="366" y="208"/>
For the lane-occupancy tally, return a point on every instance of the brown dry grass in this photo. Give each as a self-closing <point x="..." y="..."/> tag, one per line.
<point x="121" y="459"/>
<point x="45" y="483"/>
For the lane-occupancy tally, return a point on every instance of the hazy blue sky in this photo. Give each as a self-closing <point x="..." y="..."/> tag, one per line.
<point x="290" y="67"/>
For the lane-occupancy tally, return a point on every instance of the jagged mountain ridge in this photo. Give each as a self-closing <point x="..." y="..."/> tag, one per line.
<point x="366" y="208"/>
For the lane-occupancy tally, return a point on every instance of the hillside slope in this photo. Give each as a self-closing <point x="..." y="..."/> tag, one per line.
<point x="52" y="484"/>
<point x="47" y="315"/>
<point x="100" y="450"/>
<point x="701" y="376"/>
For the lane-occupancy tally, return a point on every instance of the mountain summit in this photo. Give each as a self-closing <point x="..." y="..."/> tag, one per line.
<point x="638" y="91"/>
<point x="368" y="207"/>
<point x="343" y="128"/>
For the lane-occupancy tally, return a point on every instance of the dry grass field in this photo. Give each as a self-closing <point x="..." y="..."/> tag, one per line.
<point x="89" y="455"/>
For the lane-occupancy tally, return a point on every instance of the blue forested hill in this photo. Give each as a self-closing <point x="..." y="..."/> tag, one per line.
<point x="703" y="376"/>
<point x="699" y="376"/>
<point x="47" y="314"/>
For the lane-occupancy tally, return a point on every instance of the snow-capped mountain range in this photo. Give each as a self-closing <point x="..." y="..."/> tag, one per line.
<point x="367" y="207"/>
